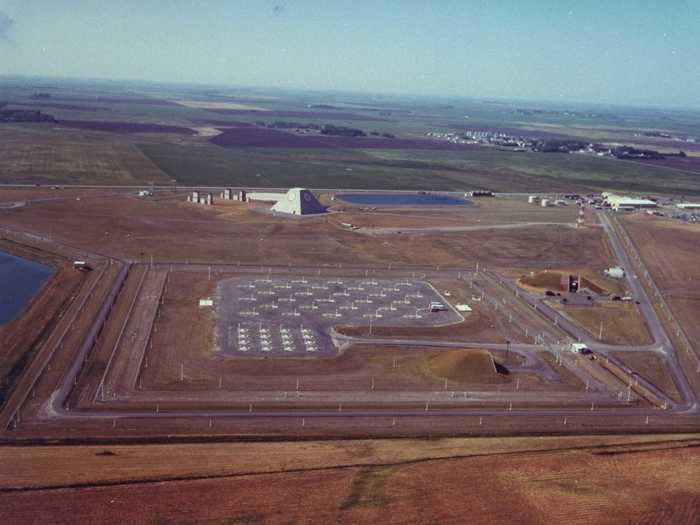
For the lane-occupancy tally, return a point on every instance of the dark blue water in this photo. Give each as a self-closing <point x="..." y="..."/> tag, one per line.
<point x="399" y="199"/>
<point x="20" y="279"/>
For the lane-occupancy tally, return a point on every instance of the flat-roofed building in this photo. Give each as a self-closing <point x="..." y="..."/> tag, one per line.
<point x="622" y="202"/>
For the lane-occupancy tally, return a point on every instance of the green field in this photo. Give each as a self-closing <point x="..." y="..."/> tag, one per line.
<point x="43" y="154"/>
<point x="412" y="170"/>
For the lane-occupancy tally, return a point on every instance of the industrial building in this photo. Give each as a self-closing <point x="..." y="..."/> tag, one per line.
<point x="201" y="198"/>
<point x="621" y="202"/>
<point x="616" y="272"/>
<point x="233" y="195"/>
<point x="297" y="201"/>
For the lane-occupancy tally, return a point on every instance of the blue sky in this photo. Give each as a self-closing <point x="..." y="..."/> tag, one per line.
<point x="623" y="52"/>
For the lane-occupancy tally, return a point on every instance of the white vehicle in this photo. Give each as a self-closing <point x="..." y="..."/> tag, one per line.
<point x="437" y="307"/>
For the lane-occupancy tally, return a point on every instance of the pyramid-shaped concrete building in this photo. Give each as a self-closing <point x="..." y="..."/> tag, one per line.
<point x="298" y="201"/>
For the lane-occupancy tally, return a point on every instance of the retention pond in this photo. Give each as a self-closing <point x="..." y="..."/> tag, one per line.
<point x="20" y="280"/>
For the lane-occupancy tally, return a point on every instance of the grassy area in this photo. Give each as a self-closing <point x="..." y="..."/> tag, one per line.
<point x="622" y="323"/>
<point x="208" y="164"/>
<point x="407" y="169"/>
<point x="36" y="153"/>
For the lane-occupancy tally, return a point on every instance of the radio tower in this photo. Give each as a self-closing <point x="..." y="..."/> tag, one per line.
<point x="581" y="217"/>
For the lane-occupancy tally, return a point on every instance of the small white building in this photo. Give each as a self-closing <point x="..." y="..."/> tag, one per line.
<point x="616" y="272"/>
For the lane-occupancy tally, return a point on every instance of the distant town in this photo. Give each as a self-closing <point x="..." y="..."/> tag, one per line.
<point x="524" y="143"/>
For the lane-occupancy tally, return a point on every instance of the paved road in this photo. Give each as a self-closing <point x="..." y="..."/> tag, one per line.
<point x="662" y="344"/>
<point x="370" y="230"/>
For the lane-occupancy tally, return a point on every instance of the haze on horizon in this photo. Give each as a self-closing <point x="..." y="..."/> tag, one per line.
<point x="625" y="52"/>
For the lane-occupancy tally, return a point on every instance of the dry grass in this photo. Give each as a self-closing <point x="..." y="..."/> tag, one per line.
<point x="622" y="323"/>
<point x="30" y="154"/>
<point x="69" y="465"/>
<point x="404" y="484"/>
<point x="555" y="281"/>
<point x="653" y="368"/>
<point x="464" y="366"/>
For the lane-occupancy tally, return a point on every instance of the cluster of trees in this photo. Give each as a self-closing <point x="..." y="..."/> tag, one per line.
<point x="558" y="146"/>
<point x="342" y="131"/>
<point x="328" y="129"/>
<point x="282" y="124"/>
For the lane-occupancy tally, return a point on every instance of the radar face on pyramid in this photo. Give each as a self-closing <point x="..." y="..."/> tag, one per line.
<point x="298" y="201"/>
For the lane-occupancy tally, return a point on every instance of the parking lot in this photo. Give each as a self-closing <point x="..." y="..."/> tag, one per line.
<point x="291" y="316"/>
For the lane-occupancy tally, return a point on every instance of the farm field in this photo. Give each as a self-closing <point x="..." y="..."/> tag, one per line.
<point x="408" y="169"/>
<point x="641" y="482"/>
<point x="35" y="154"/>
<point x="661" y="241"/>
<point x="161" y="125"/>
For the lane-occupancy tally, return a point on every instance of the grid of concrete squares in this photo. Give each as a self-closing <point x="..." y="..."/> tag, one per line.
<point x="269" y="315"/>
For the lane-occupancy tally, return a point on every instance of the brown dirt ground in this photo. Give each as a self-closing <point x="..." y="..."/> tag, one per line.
<point x="623" y="485"/>
<point x="138" y="228"/>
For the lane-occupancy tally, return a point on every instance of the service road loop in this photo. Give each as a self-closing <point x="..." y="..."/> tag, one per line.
<point x="390" y="408"/>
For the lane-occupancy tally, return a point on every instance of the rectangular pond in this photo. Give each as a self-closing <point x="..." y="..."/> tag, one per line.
<point x="20" y="280"/>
